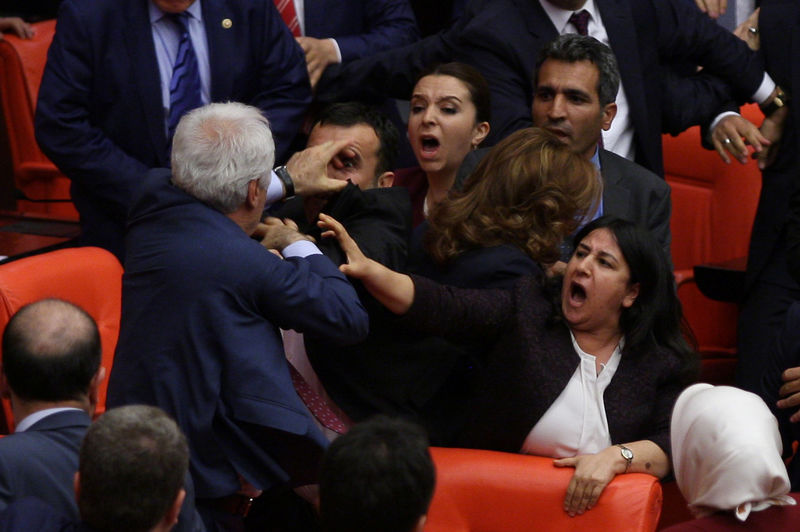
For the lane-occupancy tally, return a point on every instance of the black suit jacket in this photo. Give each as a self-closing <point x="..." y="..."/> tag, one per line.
<point x="530" y="362"/>
<point x="502" y="39"/>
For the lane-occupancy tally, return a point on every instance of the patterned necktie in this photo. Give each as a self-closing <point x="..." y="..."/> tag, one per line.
<point x="580" y="20"/>
<point x="289" y="15"/>
<point x="185" y="88"/>
<point x="316" y="404"/>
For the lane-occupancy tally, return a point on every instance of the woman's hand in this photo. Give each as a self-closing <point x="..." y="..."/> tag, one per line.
<point x="394" y="290"/>
<point x="592" y="474"/>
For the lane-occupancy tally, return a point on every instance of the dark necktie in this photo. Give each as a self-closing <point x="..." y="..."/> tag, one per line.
<point x="184" y="87"/>
<point x="580" y="20"/>
<point x="289" y="15"/>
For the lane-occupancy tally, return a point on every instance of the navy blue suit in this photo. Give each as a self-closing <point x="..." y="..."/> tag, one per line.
<point x="502" y="39"/>
<point x="42" y="461"/>
<point x="199" y="337"/>
<point x="100" y="114"/>
<point x="361" y="27"/>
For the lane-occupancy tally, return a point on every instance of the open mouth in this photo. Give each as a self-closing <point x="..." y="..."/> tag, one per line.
<point x="430" y="144"/>
<point x="577" y="293"/>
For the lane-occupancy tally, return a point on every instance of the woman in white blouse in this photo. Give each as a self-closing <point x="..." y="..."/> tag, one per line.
<point x="589" y="379"/>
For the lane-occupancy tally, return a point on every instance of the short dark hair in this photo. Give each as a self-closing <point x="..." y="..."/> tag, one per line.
<point x="133" y="463"/>
<point x="353" y="113"/>
<point x="377" y="476"/>
<point x="51" y="351"/>
<point x="655" y="320"/>
<point x="475" y="82"/>
<point x="572" y="48"/>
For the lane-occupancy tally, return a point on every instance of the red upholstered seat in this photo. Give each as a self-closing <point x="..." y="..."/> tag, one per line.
<point x="487" y="491"/>
<point x="713" y="206"/>
<point x="21" y="66"/>
<point x="88" y="277"/>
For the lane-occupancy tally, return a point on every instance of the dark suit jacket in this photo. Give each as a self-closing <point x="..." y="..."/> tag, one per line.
<point x="42" y="461"/>
<point x="502" y="38"/>
<point x="361" y="27"/>
<point x="630" y="192"/>
<point x="530" y="362"/>
<point x="199" y="337"/>
<point x="100" y="117"/>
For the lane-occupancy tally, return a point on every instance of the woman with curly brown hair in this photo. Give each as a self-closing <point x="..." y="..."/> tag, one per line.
<point x="524" y="197"/>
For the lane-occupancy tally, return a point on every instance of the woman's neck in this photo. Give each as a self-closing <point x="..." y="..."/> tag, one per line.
<point x="439" y="184"/>
<point x="601" y="344"/>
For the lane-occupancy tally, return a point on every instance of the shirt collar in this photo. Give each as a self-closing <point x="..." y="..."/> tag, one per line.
<point x="560" y="17"/>
<point x="195" y="11"/>
<point x="30" y="420"/>
<point x="595" y="160"/>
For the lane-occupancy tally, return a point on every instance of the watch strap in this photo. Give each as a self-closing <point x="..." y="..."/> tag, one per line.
<point x="288" y="185"/>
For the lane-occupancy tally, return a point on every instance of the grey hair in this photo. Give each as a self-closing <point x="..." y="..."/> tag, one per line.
<point x="218" y="149"/>
<point x="572" y="48"/>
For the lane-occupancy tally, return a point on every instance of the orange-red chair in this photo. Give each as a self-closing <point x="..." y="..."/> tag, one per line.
<point x="487" y="491"/>
<point x="88" y="277"/>
<point x="21" y="66"/>
<point x="713" y="206"/>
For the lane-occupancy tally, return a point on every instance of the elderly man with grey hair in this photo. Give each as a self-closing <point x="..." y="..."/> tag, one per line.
<point x="202" y="304"/>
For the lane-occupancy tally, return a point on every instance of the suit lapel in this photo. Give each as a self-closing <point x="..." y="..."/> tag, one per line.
<point x="537" y="21"/>
<point x="142" y="56"/>
<point x="621" y="30"/>
<point x="313" y="13"/>
<point x="616" y="198"/>
<point x="221" y="42"/>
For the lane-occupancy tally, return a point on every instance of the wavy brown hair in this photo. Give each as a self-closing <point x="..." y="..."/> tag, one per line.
<point x="530" y="191"/>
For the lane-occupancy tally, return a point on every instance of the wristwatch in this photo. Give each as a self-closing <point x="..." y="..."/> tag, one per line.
<point x="286" y="179"/>
<point x="780" y="99"/>
<point x="627" y="454"/>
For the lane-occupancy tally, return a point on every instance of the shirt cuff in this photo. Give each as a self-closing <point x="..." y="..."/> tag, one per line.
<point x="301" y="248"/>
<point x="764" y="90"/>
<point x="275" y="190"/>
<point x="720" y="117"/>
<point x="339" y="52"/>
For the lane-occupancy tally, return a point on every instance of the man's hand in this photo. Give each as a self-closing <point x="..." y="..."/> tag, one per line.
<point x="319" y="54"/>
<point x="277" y="234"/>
<point x="593" y="472"/>
<point x="728" y="136"/>
<point x="772" y="129"/>
<point x="309" y="168"/>
<point x="748" y="30"/>
<point x="790" y="392"/>
<point x="17" y="26"/>
<point x="714" y="8"/>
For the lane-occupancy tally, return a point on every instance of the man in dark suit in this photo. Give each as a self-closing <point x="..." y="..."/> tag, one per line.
<point x="576" y="83"/>
<point x="502" y="38"/>
<point x="133" y="461"/>
<point x="202" y="304"/>
<point x="103" y="110"/>
<point x="51" y="370"/>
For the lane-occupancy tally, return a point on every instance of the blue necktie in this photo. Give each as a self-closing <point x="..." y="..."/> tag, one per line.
<point x="185" y="87"/>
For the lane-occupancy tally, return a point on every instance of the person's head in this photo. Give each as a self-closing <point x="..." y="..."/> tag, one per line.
<point x="51" y="355"/>
<point x="619" y="280"/>
<point x="529" y="191"/>
<point x="449" y="116"/>
<point x="575" y="87"/>
<point x="568" y="5"/>
<point x="222" y="154"/>
<point x="133" y="463"/>
<point x="377" y="476"/>
<point x="726" y="451"/>
<point x="375" y="143"/>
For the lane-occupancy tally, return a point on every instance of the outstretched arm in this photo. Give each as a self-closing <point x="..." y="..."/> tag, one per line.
<point x="394" y="290"/>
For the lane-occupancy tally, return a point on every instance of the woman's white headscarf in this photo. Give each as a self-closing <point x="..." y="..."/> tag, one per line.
<point x="726" y="452"/>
